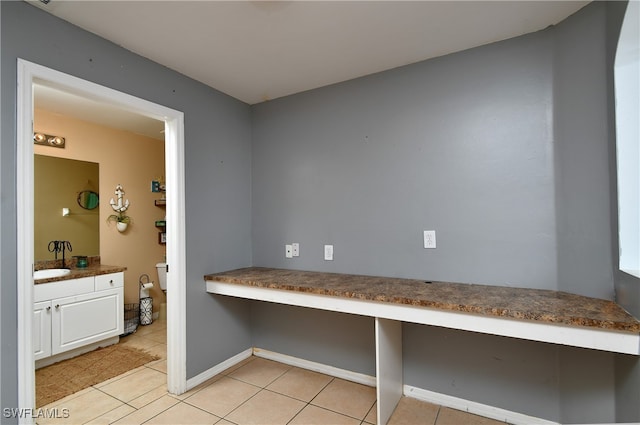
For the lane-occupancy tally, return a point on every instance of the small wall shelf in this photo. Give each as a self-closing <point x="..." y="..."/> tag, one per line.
<point x="158" y="187"/>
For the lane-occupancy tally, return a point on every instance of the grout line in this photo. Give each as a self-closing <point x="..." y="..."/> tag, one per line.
<point x="323" y="388"/>
<point x="437" y="415"/>
<point x="241" y="404"/>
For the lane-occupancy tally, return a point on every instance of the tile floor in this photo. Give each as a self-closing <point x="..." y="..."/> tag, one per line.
<point x="256" y="391"/>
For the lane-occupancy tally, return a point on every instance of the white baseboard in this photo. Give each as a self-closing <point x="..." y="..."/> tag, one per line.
<point x="473" y="407"/>
<point x="360" y="378"/>
<point x="347" y="375"/>
<point x="220" y="367"/>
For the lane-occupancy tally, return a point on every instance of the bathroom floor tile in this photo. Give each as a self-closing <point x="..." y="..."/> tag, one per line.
<point x="159" y="365"/>
<point x="266" y="407"/>
<point x="138" y="341"/>
<point x="183" y="413"/>
<point x="260" y="372"/>
<point x="159" y="350"/>
<point x="158" y="336"/>
<point x="135" y="384"/>
<point x="449" y="416"/>
<point x="348" y="398"/>
<point x="314" y="415"/>
<point x="222" y="396"/>
<point x="411" y="411"/>
<point x="144" y="330"/>
<point x="300" y="383"/>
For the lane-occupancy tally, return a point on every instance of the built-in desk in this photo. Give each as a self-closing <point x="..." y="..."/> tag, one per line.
<point x="532" y="314"/>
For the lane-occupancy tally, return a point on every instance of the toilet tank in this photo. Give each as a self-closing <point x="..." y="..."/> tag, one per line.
<point x="162" y="275"/>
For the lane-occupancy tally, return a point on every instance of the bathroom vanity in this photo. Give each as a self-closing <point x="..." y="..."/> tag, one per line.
<point x="77" y="312"/>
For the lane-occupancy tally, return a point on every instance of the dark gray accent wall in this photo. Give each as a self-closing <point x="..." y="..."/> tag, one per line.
<point x="503" y="150"/>
<point x="217" y="150"/>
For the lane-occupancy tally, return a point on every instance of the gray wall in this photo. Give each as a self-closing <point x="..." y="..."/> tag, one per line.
<point x="217" y="175"/>
<point x="627" y="287"/>
<point x="461" y="144"/>
<point x="581" y="149"/>
<point x="294" y="331"/>
<point x="504" y="151"/>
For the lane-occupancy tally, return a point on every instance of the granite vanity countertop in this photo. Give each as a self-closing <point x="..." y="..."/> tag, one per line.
<point x="537" y="305"/>
<point x="92" y="270"/>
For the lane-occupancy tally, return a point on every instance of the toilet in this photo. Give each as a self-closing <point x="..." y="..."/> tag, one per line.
<point x="162" y="276"/>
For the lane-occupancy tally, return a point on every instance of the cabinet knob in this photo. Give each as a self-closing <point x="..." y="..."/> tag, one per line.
<point x="57" y="306"/>
<point x="111" y="281"/>
<point x="48" y="308"/>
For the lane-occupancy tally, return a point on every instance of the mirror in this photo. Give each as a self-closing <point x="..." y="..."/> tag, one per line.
<point x="88" y="199"/>
<point x="62" y="184"/>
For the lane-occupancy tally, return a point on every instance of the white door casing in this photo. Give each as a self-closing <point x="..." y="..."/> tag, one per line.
<point x="29" y="72"/>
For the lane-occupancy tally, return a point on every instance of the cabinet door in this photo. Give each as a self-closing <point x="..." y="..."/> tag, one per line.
<point x="84" y="319"/>
<point x="42" y="330"/>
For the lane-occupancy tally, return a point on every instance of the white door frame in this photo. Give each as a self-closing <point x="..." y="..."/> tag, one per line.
<point x="29" y="72"/>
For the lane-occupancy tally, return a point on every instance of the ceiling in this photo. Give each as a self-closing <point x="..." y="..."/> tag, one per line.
<point x="61" y="102"/>
<point x="261" y="50"/>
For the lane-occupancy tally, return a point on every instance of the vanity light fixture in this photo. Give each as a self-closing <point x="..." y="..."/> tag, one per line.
<point x="48" y="140"/>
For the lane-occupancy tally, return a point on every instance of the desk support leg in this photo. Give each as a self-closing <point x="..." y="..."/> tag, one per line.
<point x="388" y="367"/>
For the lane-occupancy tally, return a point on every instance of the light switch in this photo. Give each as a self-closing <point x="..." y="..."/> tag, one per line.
<point x="288" y="251"/>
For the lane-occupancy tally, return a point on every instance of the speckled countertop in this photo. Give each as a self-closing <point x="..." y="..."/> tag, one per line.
<point x="516" y="303"/>
<point x="92" y="270"/>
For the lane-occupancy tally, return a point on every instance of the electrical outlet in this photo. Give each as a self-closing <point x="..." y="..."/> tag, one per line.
<point x="429" y="238"/>
<point x="328" y="252"/>
<point x="295" y="249"/>
<point x="288" y="251"/>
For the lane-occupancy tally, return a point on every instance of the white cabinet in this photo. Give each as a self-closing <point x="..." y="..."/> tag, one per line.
<point x="84" y="319"/>
<point x="42" y="329"/>
<point x="72" y="313"/>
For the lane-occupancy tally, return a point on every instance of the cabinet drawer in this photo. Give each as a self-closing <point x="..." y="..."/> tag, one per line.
<point x="109" y="281"/>
<point x="62" y="288"/>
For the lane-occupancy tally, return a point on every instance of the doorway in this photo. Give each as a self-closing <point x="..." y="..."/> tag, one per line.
<point x="28" y="74"/>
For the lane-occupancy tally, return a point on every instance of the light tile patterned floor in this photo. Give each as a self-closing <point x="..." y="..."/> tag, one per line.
<point x="256" y="391"/>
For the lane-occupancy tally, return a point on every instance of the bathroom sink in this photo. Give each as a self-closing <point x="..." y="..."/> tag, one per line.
<point x="49" y="273"/>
